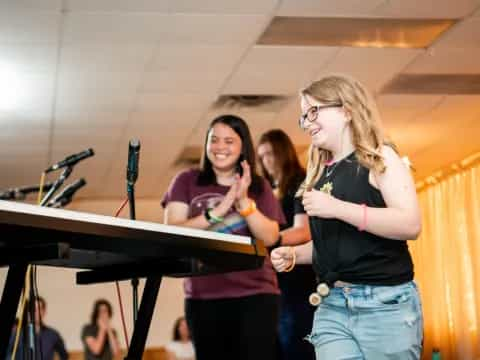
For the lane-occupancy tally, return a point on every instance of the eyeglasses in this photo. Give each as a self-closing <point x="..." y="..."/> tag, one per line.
<point x="312" y="114"/>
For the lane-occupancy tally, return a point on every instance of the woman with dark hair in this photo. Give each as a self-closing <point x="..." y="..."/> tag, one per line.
<point x="99" y="338"/>
<point x="279" y="164"/>
<point x="232" y="315"/>
<point x="180" y="348"/>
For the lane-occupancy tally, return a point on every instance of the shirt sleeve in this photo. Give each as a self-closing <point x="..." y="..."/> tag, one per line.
<point x="88" y="330"/>
<point x="268" y="204"/>
<point x="179" y="189"/>
<point x="298" y="206"/>
<point x="60" y="348"/>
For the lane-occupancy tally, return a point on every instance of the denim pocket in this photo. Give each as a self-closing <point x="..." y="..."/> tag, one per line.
<point x="393" y="295"/>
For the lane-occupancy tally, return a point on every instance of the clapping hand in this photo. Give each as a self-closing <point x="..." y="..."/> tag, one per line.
<point x="244" y="181"/>
<point x="227" y="201"/>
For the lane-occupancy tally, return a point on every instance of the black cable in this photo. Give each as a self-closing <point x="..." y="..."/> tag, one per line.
<point x="32" y="336"/>
<point x="37" y="296"/>
<point x="25" y="335"/>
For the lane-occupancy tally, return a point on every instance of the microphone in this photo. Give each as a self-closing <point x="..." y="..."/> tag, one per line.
<point x="132" y="165"/>
<point x="71" y="160"/>
<point x="21" y="192"/>
<point x="65" y="196"/>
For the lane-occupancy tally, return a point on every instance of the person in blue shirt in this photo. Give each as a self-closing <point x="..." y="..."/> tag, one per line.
<point x="48" y="340"/>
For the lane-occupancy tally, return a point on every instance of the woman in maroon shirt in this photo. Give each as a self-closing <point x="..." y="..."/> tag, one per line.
<point x="233" y="315"/>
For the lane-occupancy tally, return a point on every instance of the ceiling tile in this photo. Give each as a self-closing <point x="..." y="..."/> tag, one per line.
<point x="106" y="58"/>
<point x="327" y="8"/>
<point x="86" y="136"/>
<point x="35" y="5"/>
<point x="465" y="34"/>
<point x="103" y="91"/>
<point x="77" y="101"/>
<point x="261" y="73"/>
<point x="117" y="5"/>
<point x="359" y="62"/>
<point x="29" y="27"/>
<point x="189" y="57"/>
<point x="214" y="29"/>
<point x="85" y="80"/>
<point x="173" y="101"/>
<point x="426" y="8"/>
<point x="35" y="118"/>
<point x="23" y="58"/>
<point x="222" y="7"/>
<point x="197" y="134"/>
<point x="398" y="110"/>
<point x="440" y="61"/>
<point x="461" y="108"/>
<point x="446" y="149"/>
<point x="114" y="28"/>
<point x="94" y="120"/>
<point x="174" y="82"/>
<point x="287" y="120"/>
<point x="451" y="84"/>
<point x="157" y="124"/>
<point x="34" y="143"/>
<point x="22" y="172"/>
<point x="25" y="92"/>
<point x="426" y="129"/>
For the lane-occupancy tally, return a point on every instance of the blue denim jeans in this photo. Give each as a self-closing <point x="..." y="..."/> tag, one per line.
<point x="369" y="322"/>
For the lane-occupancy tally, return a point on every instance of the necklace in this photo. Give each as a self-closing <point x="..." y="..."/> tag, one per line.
<point x="328" y="186"/>
<point x="329" y="169"/>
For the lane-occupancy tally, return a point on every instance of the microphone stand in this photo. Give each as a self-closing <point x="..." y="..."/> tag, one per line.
<point x="25" y="334"/>
<point x="134" y="282"/>
<point x="56" y="185"/>
<point x="131" y="200"/>
<point x="32" y="334"/>
<point x="32" y="341"/>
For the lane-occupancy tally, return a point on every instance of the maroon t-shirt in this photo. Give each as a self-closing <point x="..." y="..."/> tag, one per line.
<point x="184" y="188"/>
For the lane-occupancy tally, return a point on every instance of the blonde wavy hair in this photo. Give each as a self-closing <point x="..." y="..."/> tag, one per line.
<point x="367" y="134"/>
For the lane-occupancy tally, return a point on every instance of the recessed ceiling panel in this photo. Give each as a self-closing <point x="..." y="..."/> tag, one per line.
<point x="361" y="32"/>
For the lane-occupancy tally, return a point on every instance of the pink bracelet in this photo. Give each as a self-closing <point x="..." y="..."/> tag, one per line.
<point x="363" y="225"/>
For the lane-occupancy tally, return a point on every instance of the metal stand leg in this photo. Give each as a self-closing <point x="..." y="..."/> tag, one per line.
<point x="145" y="313"/>
<point x="8" y="307"/>
<point x="135" y="298"/>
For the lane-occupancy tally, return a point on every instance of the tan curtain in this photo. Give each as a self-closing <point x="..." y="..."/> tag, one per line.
<point x="447" y="264"/>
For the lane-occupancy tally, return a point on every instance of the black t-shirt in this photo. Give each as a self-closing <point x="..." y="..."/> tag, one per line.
<point x="289" y="203"/>
<point x="92" y="330"/>
<point x="300" y="282"/>
<point x="341" y="251"/>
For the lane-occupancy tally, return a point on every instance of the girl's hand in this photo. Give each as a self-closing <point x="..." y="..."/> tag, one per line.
<point x="317" y="203"/>
<point x="282" y="258"/>
<point x="103" y="323"/>
<point x="244" y="181"/>
<point x="227" y="202"/>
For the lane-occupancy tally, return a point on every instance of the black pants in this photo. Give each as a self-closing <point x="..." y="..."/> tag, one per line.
<point x="240" y="328"/>
<point x="296" y="320"/>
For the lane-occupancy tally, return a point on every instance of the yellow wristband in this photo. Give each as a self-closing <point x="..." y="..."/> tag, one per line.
<point x="294" y="258"/>
<point x="249" y="210"/>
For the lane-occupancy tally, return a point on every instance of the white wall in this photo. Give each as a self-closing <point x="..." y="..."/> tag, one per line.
<point x="69" y="306"/>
